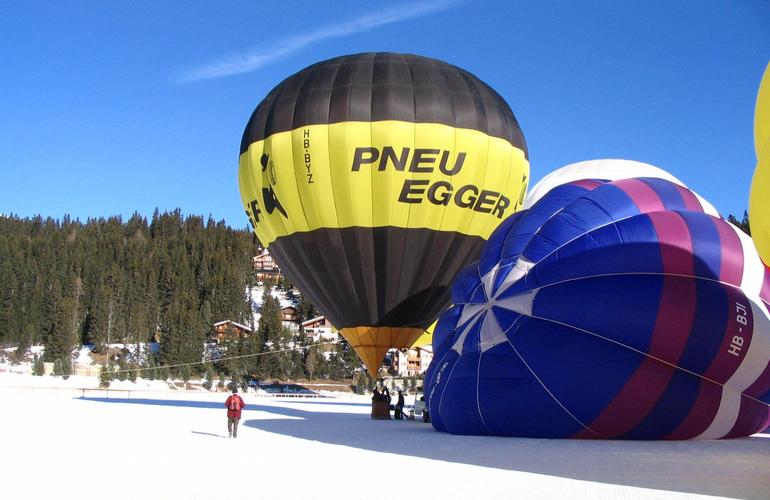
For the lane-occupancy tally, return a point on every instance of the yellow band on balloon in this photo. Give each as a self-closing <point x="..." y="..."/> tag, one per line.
<point x="759" y="204"/>
<point x="379" y="174"/>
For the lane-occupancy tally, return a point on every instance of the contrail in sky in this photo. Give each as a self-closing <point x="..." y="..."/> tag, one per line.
<point x="262" y="56"/>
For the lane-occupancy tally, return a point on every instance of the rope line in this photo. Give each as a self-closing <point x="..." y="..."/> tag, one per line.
<point x="227" y="358"/>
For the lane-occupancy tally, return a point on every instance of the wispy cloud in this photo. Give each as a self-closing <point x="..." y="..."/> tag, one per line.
<point x="258" y="57"/>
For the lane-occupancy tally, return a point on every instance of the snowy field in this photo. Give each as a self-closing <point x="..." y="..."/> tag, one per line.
<point x="172" y="444"/>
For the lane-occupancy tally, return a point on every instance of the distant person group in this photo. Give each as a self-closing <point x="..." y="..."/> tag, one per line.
<point x="384" y="395"/>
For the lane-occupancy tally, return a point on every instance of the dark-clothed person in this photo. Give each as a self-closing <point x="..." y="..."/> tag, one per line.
<point x="399" y="413"/>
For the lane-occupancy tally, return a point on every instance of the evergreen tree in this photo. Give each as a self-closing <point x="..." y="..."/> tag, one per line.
<point x="185" y="372"/>
<point x="67" y="282"/>
<point x="54" y="345"/>
<point x="361" y="382"/>
<point x="311" y="362"/>
<point x="21" y="351"/>
<point x="9" y="299"/>
<point x="38" y="367"/>
<point x="297" y="370"/>
<point x="743" y="224"/>
<point x="305" y="308"/>
<point x="251" y="346"/>
<point x="272" y="336"/>
<point x="324" y="365"/>
<point x="209" y="381"/>
<point x="66" y="366"/>
<point x="105" y="377"/>
<point x="150" y="371"/>
<point x="345" y="363"/>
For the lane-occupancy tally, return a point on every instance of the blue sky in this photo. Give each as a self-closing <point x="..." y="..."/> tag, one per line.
<point x="111" y="107"/>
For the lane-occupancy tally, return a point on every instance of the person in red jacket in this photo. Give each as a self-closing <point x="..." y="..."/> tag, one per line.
<point x="234" y="405"/>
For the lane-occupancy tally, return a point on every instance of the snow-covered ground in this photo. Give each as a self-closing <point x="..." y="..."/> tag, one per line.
<point x="163" y="444"/>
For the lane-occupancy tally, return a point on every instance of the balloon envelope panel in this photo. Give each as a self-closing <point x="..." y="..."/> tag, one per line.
<point x="608" y="310"/>
<point x="374" y="179"/>
<point x="759" y="205"/>
<point x="759" y="198"/>
<point x="604" y="169"/>
<point x="610" y="169"/>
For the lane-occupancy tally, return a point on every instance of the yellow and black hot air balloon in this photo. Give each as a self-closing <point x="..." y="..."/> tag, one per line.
<point x="374" y="179"/>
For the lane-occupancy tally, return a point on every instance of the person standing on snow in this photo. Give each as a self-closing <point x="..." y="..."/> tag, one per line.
<point x="234" y="405"/>
<point x="399" y="413"/>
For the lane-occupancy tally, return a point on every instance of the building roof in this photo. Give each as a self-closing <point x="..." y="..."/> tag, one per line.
<point x="244" y="327"/>
<point x="264" y="253"/>
<point x="313" y="320"/>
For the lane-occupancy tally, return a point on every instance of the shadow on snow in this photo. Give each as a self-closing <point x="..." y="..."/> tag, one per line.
<point x="704" y="467"/>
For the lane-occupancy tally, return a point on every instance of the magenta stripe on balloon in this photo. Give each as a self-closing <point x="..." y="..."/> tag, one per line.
<point x="633" y="402"/>
<point x="764" y="293"/>
<point x="589" y="184"/>
<point x="702" y="412"/>
<point x="644" y="197"/>
<point x="691" y="202"/>
<point x="731" y="249"/>
<point x="676" y="313"/>
<point x="678" y="298"/>
<point x="675" y="243"/>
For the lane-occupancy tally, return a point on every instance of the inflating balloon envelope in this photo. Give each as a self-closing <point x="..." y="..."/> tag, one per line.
<point x="759" y="198"/>
<point x="625" y="309"/>
<point x="374" y="179"/>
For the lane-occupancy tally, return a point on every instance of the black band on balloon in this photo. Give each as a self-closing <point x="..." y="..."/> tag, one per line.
<point x="383" y="86"/>
<point x="382" y="276"/>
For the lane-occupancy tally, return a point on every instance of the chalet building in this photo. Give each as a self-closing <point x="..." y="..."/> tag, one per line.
<point x="290" y="318"/>
<point x="289" y="313"/>
<point x="410" y="362"/>
<point x="319" y="329"/>
<point x="229" y="330"/>
<point x="265" y="266"/>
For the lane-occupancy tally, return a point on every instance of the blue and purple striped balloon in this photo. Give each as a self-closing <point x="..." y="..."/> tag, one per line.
<point x="625" y="309"/>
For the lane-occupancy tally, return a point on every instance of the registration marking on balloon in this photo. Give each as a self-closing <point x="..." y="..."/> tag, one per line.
<point x="306" y="157"/>
<point x="737" y="341"/>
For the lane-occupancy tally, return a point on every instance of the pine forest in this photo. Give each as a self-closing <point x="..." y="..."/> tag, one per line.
<point x="162" y="283"/>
